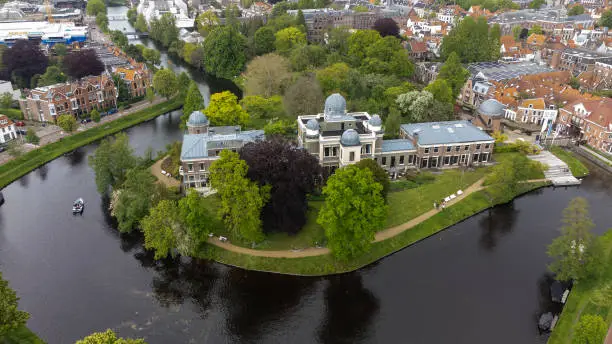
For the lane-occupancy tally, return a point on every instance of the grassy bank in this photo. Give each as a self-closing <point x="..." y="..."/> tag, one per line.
<point x="326" y="264"/>
<point x="18" y="167"/>
<point x="576" y="166"/>
<point x="583" y="300"/>
<point x="22" y="335"/>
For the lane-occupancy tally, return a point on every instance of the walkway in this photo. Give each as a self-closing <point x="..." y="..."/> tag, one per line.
<point x="169" y="181"/>
<point x="609" y="337"/>
<point x="558" y="172"/>
<point x="595" y="154"/>
<point x="314" y="251"/>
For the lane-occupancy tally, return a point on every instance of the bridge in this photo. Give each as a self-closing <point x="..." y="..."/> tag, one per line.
<point x="117" y="18"/>
<point x="136" y="34"/>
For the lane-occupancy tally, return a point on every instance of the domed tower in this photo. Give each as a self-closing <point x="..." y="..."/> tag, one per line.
<point x="350" y="147"/>
<point x="335" y="106"/>
<point x="312" y="127"/>
<point x="197" y="123"/>
<point x="375" y="124"/>
<point x="490" y="113"/>
<point x="350" y="138"/>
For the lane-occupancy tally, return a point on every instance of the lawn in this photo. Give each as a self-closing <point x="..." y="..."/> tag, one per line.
<point x="16" y="168"/>
<point x="534" y="173"/>
<point x="576" y="166"/>
<point x="580" y="301"/>
<point x="21" y="335"/>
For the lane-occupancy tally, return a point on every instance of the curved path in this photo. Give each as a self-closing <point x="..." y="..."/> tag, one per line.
<point x="314" y="251"/>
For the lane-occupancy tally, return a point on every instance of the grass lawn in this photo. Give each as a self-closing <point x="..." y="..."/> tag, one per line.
<point x="576" y="166"/>
<point x="16" y="168"/>
<point x="22" y="335"/>
<point x="534" y="173"/>
<point x="580" y="301"/>
<point x="326" y="264"/>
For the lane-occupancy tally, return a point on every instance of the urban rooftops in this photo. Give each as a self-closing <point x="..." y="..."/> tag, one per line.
<point x="451" y="132"/>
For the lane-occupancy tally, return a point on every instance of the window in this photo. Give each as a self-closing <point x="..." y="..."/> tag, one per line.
<point x="392" y="161"/>
<point x="448" y="148"/>
<point x="478" y="146"/>
<point x="435" y="149"/>
<point x="467" y="147"/>
<point x="410" y="159"/>
<point x="457" y="148"/>
<point x="352" y="156"/>
<point x="401" y="160"/>
<point x="190" y="167"/>
<point x="384" y="160"/>
<point x="454" y="160"/>
<point x="475" y="159"/>
<point x="484" y="157"/>
<point x="201" y="166"/>
<point x="426" y="150"/>
<point x="446" y="160"/>
<point x="487" y="145"/>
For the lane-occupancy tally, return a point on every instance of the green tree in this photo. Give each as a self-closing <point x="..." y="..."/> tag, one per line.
<point x="102" y="21"/>
<point x="95" y="6"/>
<point x="206" y="22"/>
<point x="304" y="97"/>
<point x="150" y="95"/>
<point x="441" y="91"/>
<point x="392" y="123"/>
<point x="470" y="40"/>
<point x="415" y="105"/>
<point x="241" y="198"/>
<point x="111" y="161"/>
<point x="119" y="39"/>
<point x="288" y="39"/>
<point x="160" y="227"/>
<point x="300" y="21"/>
<point x="152" y="56"/>
<point x="224" y="51"/>
<point x="576" y="253"/>
<point x="351" y="192"/>
<point x="606" y="19"/>
<point x="591" y="329"/>
<point x="52" y="76"/>
<point x="266" y="75"/>
<point x="195" y="217"/>
<point x="575" y="10"/>
<point x="264" y="40"/>
<point x="134" y="198"/>
<point x="223" y="109"/>
<point x="141" y="24"/>
<point x="574" y="83"/>
<point x="307" y="56"/>
<point x="60" y="49"/>
<point x="387" y="56"/>
<point x="537" y="29"/>
<point x="6" y="100"/>
<point x="516" y="32"/>
<point x="132" y="13"/>
<point x="536" y="4"/>
<point x="67" y="122"/>
<point x="380" y="175"/>
<point x="108" y="337"/>
<point x="165" y="82"/>
<point x="95" y="115"/>
<point x="193" y="102"/>
<point x="31" y="136"/>
<point x="123" y="93"/>
<point x="164" y="30"/>
<point x="259" y="107"/>
<point x="333" y="78"/>
<point x="10" y="317"/>
<point x="280" y="127"/>
<point x="358" y="44"/>
<point x="453" y="72"/>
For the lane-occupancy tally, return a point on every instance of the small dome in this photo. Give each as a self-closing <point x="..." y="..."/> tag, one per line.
<point x="312" y="124"/>
<point x="375" y="121"/>
<point x="350" y="138"/>
<point x="491" y="107"/>
<point x="197" y="118"/>
<point x="335" y="105"/>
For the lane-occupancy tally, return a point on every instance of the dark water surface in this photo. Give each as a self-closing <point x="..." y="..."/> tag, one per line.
<point x="481" y="281"/>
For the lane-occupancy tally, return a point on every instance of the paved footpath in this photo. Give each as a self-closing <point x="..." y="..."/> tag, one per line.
<point x="314" y="251"/>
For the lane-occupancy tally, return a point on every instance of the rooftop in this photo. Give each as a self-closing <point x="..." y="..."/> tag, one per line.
<point x="397" y="145"/>
<point x="196" y="146"/>
<point x="502" y="71"/>
<point x="450" y="132"/>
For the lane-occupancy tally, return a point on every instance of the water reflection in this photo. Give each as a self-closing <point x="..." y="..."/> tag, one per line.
<point x="350" y="309"/>
<point x="498" y="222"/>
<point x="75" y="157"/>
<point x="42" y="172"/>
<point x="25" y="180"/>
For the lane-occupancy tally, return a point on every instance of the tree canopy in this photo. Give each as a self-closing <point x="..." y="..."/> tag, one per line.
<point x="606" y="19"/>
<point x="471" y="40"/>
<point x="10" y="317"/>
<point x="223" y="109"/>
<point x="441" y="91"/>
<point x="288" y="39"/>
<point x="591" y="329"/>
<point x="67" y="122"/>
<point x="22" y="61"/>
<point x="575" y="10"/>
<point x="165" y="82"/>
<point x="224" y="51"/>
<point x="52" y="76"/>
<point x="420" y="106"/>
<point x="454" y="74"/>
<point x="111" y="161"/>
<point x="193" y="102"/>
<point x="206" y="22"/>
<point x="350" y="193"/>
<point x="264" y="40"/>
<point x="82" y="63"/>
<point x="95" y="6"/>
<point x="259" y="107"/>
<point x="159" y="228"/>
<point x="267" y="75"/>
<point x="304" y="97"/>
<point x="135" y="198"/>
<point x="290" y="172"/>
<point x="380" y="175"/>
<point x="108" y="337"/>
<point x="386" y="27"/>
<point x="164" y="29"/>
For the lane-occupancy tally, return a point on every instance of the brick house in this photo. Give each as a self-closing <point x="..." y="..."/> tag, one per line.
<point x="535" y="111"/>
<point x="590" y="120"/>
<point x="8" y="129"/>
<point x="45" y="104"/>
<point x="137" y="78"/>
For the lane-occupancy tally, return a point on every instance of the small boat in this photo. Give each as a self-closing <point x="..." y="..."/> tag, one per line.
<point x="77" y="206"/>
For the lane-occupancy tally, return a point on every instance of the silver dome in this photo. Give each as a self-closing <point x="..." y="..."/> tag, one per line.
<point x="312" y="124"/>
<point x="335" y="105"/>
<point x="350" y="138"/>
<point x="197" y="118"/>
<point x="375" y="121"/>
<point x="491" y="107"/>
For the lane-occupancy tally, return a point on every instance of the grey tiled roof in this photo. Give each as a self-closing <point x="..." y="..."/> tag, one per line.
<point x="397" y="145"/>
<point x="196" y="146"/>
<point x="445" y="132"/>
<point x="504" y="71"/>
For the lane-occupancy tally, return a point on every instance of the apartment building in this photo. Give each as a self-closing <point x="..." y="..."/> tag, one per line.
<point x="589" y="120"/>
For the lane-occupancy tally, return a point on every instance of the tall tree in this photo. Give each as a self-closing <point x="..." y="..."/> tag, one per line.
<point x="95" y="6"/>
<point x="259" y="107"/>
<point x="288" y="39"/>
<point x="196" y="219"/>
<point x="206" y="22"/>
<point x="300" y="21"/>
<point x="52" y="76"/>
<point x="575" y="10"/>
<point x="290" y="172"/>
<point x="223" y="109"/>
<point x="193" y="102"/>
<point x="535" y="29"/>
<point x="304" y="97"/>
<point x="358" y="44"/>
<point x="380" y="175"/>
<point x="108" y="337"/>
<point x="351" y="192"/>
<point x="224" y="51"/>
<point x="393" y="122"/>
<point x="82" y="63"/>
<point x="135" y="198"/>
<point x="307" y="56"/>
<point x="577" y="254"/>
<point x="516" y="32"/>
<point x="470" y="41"/>
<point x="386" y="27"/>
<point x="267" y="75"/>
<point x="241" y="198"/>
<point x="60" y="49"/>
<point x="414" y="105"/>
<point x="95" y="115"/>
<point x="123" y="93"/>
<point x="453" y="72"/>
<point x="333" y="78"/>
<point x="141" y="24"/>
<point x="164" y="29"/>
<point x="10" y="317"/>
<point x="591" y="329"/>
<point x="338" y="40"/>
<point x="606" y="19"/>
<point x="387" y="56"/>
<point x="159" y="228"/>
<point x="264" y="40"/>
<point x="441" y="91"/>
<point x="152" y="56"/>
<point x="22" y="61"/>
<point x="111" y="161"/>
<point x="165" y="83"/>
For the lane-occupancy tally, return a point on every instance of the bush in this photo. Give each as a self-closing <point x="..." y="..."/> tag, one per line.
<point x="14" y="114"/>
<point x="31" y="137"/>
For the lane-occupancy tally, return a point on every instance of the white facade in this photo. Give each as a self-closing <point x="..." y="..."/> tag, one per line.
<point x="528" y="113"/>
<point x="7" y="129"/>
<point x="155" y="9"/>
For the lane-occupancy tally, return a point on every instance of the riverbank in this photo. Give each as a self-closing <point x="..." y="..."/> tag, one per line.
<point x="589" y="297"/>
<point x="576" y="166"/>
<point x="326" y="264"/>
<point x="20" y="166"/>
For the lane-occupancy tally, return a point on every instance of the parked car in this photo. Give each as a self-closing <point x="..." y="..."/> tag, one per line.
<point x="112" y="111"/>
<point x="20" y="124"/>
<point x="2" y="149"/>
<point x="21" y="132"/>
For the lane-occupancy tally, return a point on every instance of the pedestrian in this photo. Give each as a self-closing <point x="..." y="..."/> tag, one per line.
<point x="435" y="205"/>
<point x="443" y="205"/>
